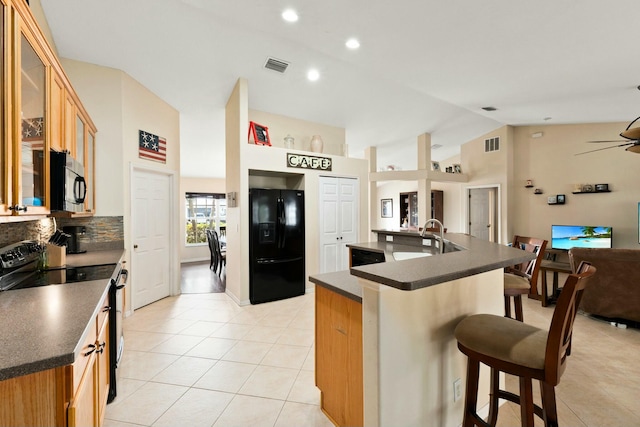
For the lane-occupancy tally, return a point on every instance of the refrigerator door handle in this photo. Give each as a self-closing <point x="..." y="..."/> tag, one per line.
<point x="263" y="261"/>
<point x="280" y="222"/>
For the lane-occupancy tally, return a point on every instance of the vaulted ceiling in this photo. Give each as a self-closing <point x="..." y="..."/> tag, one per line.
<point x="423" y="65"/>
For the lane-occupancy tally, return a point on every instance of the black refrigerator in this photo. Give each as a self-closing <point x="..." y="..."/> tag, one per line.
<point x="276" y="245"/>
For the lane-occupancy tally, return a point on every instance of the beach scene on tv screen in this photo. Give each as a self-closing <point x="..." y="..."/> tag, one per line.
<point x="578" y="236"/>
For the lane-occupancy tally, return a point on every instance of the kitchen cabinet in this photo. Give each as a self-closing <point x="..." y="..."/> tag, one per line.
<point x="71" y="395"/>
<point x="409" y="208"/>
<point x="30" y="123"/>
<point x="5" y="169"/>
<point x="39" y="111"/>
<point x="91" y="374"/>
<point x="339" y="363"/>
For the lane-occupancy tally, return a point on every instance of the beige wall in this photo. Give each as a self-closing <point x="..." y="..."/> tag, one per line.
<point x="268" y="165"/>
<point x="551" y="163"/>
<point x="120" y="107"/>
<point x="195" y="185"/>
<point x="279" y="126"/>
<point x="491" y="169"/>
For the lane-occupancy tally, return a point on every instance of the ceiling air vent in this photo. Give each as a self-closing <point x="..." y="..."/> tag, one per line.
<point x="492" y="144"/>
<point x="276" y="65"/>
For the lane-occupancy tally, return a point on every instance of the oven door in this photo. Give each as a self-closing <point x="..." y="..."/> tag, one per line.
<point x="116" y="335"/>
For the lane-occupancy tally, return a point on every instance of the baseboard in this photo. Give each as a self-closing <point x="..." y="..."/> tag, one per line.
<point x="236" y="300"/>
<point x="186" y="261"/>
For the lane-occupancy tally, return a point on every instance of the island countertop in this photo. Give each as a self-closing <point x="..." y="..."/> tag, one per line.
<point x="478" y="256"/>
<point x="44" y="326"/>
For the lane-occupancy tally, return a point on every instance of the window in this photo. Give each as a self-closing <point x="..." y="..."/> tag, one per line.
<point x="205" y="211"/>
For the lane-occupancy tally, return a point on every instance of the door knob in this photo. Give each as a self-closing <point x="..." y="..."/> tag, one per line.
<point x="135" y="246"/>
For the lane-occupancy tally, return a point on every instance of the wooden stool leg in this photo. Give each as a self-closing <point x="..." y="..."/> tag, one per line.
<point x="493" y="397"/>
<point x="526" y="402"/>
<point x="507" y="306"/>
<point x="471" y="393"/>
<point x="549" y="411"/>
<point x="518" y="307"/>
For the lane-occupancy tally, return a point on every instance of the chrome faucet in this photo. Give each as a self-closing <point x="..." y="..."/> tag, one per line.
<point x="435" y="221"/>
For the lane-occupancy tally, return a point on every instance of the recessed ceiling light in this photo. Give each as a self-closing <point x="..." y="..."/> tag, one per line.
<point x="313" y="75"/>
<point x="290" y="15"/>
<point x="352" y="43"/>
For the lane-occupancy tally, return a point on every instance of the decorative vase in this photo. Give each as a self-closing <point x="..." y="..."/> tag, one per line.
<point x="316" y="144"/>
<point x="288" y="141"/>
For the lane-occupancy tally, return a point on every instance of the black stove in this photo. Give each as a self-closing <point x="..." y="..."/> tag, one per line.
<point x="32" y="278"/>
<point x="19" y="269"/>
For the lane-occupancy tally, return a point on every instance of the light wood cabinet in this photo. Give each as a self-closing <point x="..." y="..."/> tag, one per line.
<point x="339" y="357"/>
<point x="72" y="395"/>
<point x="39" y="111"/>
<point x="5" y="152"/>
<point x="56" y="105"/>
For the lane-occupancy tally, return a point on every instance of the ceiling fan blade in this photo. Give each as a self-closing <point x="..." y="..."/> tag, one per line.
<point x="633" y="133"/>
<point x="605" y="148"/>
<point x="610" y="140"/>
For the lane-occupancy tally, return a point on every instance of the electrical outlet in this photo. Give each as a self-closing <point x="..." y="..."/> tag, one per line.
<point x="389" y="238"/>
<point x="457" y="390"/>
<point x="426" y="242"/>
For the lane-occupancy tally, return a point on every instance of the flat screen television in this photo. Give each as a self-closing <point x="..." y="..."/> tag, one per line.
<point x="566" y="237"/>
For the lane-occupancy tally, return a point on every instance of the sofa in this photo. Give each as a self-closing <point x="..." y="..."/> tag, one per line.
<point x="614" y="291"/>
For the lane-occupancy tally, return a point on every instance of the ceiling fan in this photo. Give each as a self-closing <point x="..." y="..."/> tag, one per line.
<point x="631" y="141"/>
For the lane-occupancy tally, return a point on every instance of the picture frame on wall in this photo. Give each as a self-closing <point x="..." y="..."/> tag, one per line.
<point x="435" y="166"/>
<point x="386" y="208"/>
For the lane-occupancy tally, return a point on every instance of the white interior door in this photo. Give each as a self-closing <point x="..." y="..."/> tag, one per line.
<point x="151" y="212"/>
<point x="482" y="213"/>
<point x="338" y="221"/>
<point x="348" y="218"/>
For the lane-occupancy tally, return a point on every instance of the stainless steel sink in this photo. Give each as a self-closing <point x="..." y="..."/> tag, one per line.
<point x="399" y="256"/>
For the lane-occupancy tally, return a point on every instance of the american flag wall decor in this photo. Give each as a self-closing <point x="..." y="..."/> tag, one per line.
<point x="152" y="147"/>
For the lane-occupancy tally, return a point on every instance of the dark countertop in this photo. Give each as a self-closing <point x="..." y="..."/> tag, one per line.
<point x="478" y="256"/>
<point x="341" y="282"/>
<point x="44" y="327"/>
<point x="95" y="258"/>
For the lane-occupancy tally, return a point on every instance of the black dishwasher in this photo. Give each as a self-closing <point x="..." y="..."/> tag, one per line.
<point x="364" y="257"/>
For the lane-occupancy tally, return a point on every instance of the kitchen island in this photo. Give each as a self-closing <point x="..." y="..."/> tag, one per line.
<point x="409" y="309"/>
<point x="47" y="333"/>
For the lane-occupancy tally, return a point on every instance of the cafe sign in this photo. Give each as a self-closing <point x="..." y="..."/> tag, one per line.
<point x="302" y="161"/>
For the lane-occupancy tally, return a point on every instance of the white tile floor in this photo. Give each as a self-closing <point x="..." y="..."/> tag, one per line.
<point x="200" y="360"/>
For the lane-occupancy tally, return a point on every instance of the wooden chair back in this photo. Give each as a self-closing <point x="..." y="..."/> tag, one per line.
<point x="560" y="331"/>
<point x="529" y="269"/>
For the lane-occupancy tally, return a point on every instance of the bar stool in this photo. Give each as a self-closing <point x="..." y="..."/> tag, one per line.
<point x="507" y="345"/>
<point x="519" y="279"/>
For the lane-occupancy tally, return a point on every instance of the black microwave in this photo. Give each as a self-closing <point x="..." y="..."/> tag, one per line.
<point x="68" y="186"/>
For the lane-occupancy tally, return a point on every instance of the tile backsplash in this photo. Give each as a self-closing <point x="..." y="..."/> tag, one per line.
<point x="103" y="232"/>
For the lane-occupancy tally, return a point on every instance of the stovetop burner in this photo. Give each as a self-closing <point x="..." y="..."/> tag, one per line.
<point x="30" y="277"/>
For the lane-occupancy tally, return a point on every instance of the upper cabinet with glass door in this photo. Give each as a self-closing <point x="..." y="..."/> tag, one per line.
<point x="5" y="167"/>
<point x="31" y="157"/>
<point x="39" y="112"/>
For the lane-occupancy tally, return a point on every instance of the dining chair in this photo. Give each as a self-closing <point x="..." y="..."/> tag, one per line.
<point x="520" y="278"/>
<point x="516" y="348"/>
<point x="213" y="264"/>
<point x="221" y="258"/>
